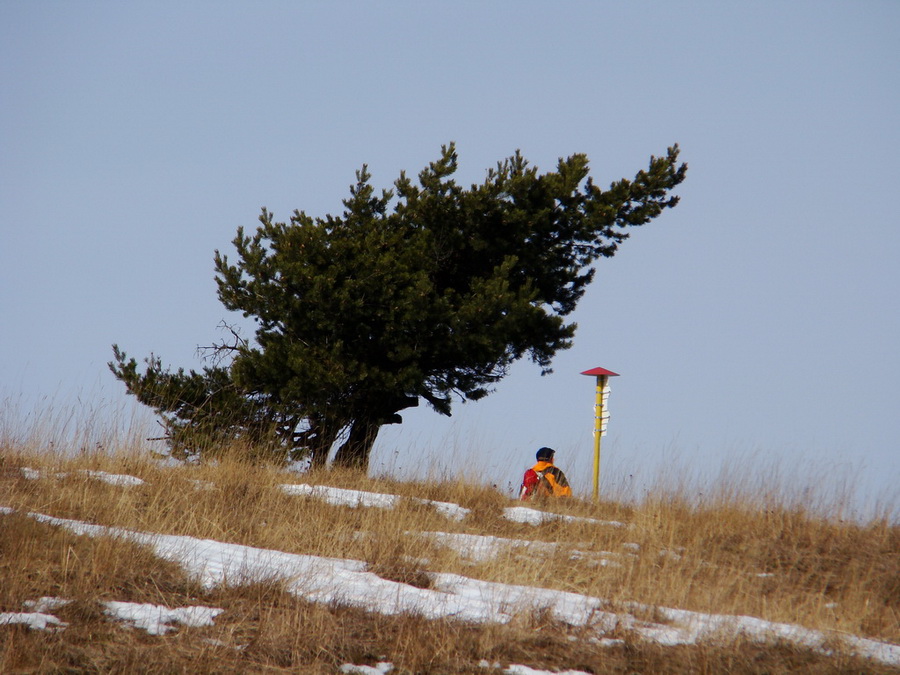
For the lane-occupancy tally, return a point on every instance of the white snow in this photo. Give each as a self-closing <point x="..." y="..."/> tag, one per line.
<point x="123" y="480"/>
<point x="115" y="478"/>
<point x="523" y="514"/>
<point x="447" y="509"/>
<point x="157" y="619"/>
<point x="380" y="668"/>
<point x="343" y="497"/>
<point x="34" y="620"/>
<point x="45" y="604"/>
<point x="356" y="498"/>
<point x="525" y="670"/>
<point x="40" y="617"/>
<point x="453" y="596"/>
<point x="516" y="669"/>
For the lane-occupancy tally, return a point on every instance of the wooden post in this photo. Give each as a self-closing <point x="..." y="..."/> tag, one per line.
<point x="600" y="417"/>
<point x="598" y="431"/>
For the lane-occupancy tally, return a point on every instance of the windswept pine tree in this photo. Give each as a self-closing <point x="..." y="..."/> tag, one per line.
<point x="429" y="291"/>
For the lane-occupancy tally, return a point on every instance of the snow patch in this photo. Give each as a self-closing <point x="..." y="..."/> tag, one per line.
<point x="46" y="604"/>
<point x="115" y="478"/>
<point x="157" y="619"/>
<point x="523" y="514"/>
<point x="111" y="478"/>
<point x="525" y="670"/>
<point x="34" y="620"/>
<point x="357" y="498"/>
<point x="380" y="668"/>
<point x="343" y="497"/>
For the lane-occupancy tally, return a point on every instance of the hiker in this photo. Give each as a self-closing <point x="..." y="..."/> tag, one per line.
<point x="544" y="479"/>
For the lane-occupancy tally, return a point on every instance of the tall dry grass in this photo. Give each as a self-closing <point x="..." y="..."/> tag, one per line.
<point x="730" y="553"/>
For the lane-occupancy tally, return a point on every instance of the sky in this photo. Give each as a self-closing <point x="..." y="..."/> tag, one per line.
<point x="755" y="326"/>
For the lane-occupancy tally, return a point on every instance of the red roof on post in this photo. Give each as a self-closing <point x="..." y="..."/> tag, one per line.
<point x="599" y="371"/>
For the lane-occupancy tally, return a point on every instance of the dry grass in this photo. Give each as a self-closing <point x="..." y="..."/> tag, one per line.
<point x="726" y="556"/>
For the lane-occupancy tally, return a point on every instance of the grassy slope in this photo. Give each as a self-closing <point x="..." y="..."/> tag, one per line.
<point x="725" y="557"/>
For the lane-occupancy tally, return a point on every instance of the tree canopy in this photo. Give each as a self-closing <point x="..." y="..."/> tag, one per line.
<point x="429" y="291"/>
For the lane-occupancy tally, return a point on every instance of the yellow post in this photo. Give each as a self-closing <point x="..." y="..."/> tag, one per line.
<point x="600" y="417"/>
<point x="598" y="431"/>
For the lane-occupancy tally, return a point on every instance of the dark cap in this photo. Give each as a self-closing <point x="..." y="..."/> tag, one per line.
<point x="545" y="454"/>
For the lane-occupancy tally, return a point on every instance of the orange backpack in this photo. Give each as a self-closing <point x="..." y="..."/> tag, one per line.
<point x="552" y="482"/>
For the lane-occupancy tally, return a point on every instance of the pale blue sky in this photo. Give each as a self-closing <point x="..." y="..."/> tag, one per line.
<point x="760" y="317"/>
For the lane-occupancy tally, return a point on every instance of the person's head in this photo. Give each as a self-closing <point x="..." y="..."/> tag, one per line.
<point x="545" y="454"/>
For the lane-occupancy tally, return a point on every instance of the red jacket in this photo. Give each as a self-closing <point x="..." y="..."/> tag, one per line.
<point x="545" y="480"/>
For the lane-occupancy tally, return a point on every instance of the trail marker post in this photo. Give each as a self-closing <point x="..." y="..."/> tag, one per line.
<point x="601" y="416"/>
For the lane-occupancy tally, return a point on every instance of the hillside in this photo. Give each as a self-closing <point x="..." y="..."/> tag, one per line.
<point x="119" y="563"/>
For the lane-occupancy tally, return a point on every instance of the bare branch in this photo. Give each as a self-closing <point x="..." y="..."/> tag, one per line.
<point x="218" y="352"/>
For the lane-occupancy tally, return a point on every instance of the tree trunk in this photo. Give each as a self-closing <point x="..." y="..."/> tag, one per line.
<point x="354" y="452"/>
